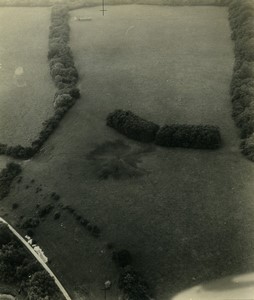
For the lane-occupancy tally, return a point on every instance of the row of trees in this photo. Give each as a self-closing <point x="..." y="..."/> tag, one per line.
<point x="176" y="135"/>
<point x="17" y="266"/>
<point x="189" y="136"/>
<point x="132" y="125"/>
<point x="65" y="77"/>
<point x="241" y="18"/>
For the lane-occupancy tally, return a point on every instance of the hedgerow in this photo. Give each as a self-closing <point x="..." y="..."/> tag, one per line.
<point x="241" y="19"/>
<point x="65" y="76"/>
<point x="189" y="136"/>
<point x="132" y="125"/>
<point x="176" y="135"/>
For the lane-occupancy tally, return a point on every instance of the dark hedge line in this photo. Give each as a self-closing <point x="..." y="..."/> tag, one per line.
<point x="132" y="125"/>
<point x="6" y="177"/>
<point x="65" y="77"/>
<point x="189" y="136"/>
<point x="18" y="267"/>
<point x="93" y="229"/>
<point x="241" y="19"/>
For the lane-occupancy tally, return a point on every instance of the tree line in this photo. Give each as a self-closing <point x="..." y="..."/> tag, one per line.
<point x="173" y="135"/>
<point x="241" y="19"/>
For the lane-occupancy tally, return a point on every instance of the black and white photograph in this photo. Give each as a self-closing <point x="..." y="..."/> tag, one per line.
<point x="126" y="149"/>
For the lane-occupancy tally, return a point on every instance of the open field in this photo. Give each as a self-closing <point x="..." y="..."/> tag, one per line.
<point x="189" y="217"/>
<point x="26" y="99"/>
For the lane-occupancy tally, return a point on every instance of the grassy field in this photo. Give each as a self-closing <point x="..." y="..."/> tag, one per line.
<point x="189" y="218"/>
<point x="26" y="100"/>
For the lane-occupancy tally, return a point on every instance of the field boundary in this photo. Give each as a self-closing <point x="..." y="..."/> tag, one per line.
<point x="38" y="258"/>
<point x="65" y="77"/>
<point x="241" y="18"/>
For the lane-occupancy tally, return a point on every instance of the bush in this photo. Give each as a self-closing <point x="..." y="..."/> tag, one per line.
<point x="6" y="177"/>
<point x="247" y="147"/>
<point x="57" y="215"/>
<point x="189" y="136"/>
<point x="5" y="235"/>
<point x="55" y="196"/>
<point x="122" y="258"/>
<point x="132" y="126"/>
<point x="40" y="286"/>
<point x="15" y="205"/>
<point x="133" y="285"/>
<point x="63" y="100"/>
<point x="11" y="256"/>
<point x="71" y="91"/>
<point x="19" y="152"/>
<point x="45" y="210"/>
<point x="30" y="223"/>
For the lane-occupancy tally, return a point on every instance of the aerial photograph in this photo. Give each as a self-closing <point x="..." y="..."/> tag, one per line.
<point x="126" y="149"/>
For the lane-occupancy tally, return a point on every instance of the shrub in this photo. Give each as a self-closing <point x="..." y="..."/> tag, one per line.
<point x="132" y="126"/>
<point x="189" y="136"/>
<point x="40" y="286"/>
<point x="45" y="210"/>
<point x="11" y="256"/>
<point x="3" y="148"/>
<point x="30" y="223"/>
<point x="6" y="177"/>
<point x="64" y="100"/>
<point x="27" y="268"/>
<point x="95" y="231"/>
<point x="133" y="285"/>
<point x="19" y="152"/>
<point x="71" y="91"/>
<point x="15" y="205"/>
<point x="5" y="235"/>
<point x="122" y="258"/>
<point x="247" y="147"/>
<point x="55" y="196"/>
<point x="57" y="215"/>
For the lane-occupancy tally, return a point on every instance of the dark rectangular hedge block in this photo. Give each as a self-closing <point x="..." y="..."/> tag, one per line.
<point x="189" y="136"/>
<point x="132" y="126"/>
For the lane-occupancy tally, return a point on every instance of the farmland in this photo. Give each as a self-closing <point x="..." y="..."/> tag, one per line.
<point x="185" y="215"/>
<point x="26" y="99"/>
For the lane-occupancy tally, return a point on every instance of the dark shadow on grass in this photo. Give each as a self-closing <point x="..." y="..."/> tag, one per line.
<point x="118" y="160"/>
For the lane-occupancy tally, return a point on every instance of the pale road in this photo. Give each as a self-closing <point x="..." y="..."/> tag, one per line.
<point x="44" y="265"/>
